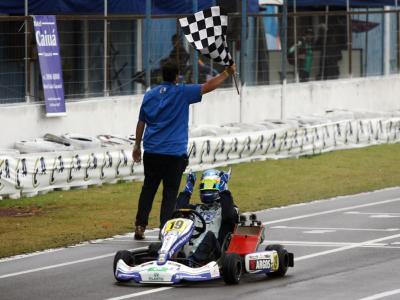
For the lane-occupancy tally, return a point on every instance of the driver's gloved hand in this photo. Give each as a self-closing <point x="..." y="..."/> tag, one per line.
<point x="223" y="184"/>
<point x="190" y="180"/>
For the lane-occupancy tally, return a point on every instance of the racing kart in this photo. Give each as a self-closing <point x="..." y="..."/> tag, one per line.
<point x="168" y="262"/>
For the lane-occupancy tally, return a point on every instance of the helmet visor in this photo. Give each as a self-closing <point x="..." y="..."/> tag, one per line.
<point x="209" y="184"/>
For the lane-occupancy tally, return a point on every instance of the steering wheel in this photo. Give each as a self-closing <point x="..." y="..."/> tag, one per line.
<point x="192" y="215"/>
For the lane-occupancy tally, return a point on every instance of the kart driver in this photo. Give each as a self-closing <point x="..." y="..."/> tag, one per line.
<point x="217" y="209"/>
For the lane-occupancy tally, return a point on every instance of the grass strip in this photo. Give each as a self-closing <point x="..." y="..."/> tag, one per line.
<point x="68" y="217"/>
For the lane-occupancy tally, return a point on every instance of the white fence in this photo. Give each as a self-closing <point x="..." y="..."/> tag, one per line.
<point x="275" y="144"/>
<point x="31" y="174"/>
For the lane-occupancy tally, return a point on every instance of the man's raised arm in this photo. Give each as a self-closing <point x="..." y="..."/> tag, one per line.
<point x="215" y="82"/>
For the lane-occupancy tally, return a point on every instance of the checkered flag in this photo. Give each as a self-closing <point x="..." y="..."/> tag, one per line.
<point x="206" y="32"/>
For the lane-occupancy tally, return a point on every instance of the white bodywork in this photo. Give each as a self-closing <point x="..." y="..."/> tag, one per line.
<point x="168" y="273"/>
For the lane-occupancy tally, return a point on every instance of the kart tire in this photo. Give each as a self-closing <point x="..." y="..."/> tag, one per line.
<point x="153" y="249"/>
<point x="232" y="268"/>
<point x="127" y="257"/>
<point x="226" y="242"/>
<point x="224" y="247"/>
<point x="283" y="258"/>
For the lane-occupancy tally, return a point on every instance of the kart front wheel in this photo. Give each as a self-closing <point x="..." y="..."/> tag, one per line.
<point x="232" y="268"/>
<point x="283" y="257"/>
<point x="127" y="257"/>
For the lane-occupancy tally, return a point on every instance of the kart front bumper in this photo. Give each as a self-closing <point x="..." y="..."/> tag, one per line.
<point x="168" y="273"/>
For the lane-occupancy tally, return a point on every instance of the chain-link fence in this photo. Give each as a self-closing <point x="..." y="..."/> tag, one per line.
<point x="324" y="45"/>
<point x="12" y="53"/>
<point x="109" y="55"/>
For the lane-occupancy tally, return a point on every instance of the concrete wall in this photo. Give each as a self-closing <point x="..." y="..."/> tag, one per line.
<point x="118" y="115"/>
<point x="91" y="117"/>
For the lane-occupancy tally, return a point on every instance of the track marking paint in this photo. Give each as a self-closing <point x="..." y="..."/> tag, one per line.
<point x="372" y="213"/>
<point x="382" y="295"/>
<point x="355" y="245"/>
<point x="334" y="244"/>
<point x="56" y="266"/>
<point x="330" y="211"/>
<point x="334" y="228"/>
<point x="98" y="241"/>
<point x="315" y="231"/>
<point x="129" y="296"/>
<point x="375" y="215"/>
<point x="61" y="265"/>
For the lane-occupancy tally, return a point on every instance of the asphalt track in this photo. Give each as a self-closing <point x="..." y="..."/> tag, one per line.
<point x="345" y="248"/>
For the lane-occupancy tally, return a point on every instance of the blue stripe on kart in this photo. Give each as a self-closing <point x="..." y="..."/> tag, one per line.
<point x="191" y="277"/>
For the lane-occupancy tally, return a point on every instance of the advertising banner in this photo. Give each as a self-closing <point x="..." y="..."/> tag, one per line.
<point x="50" y="64"/>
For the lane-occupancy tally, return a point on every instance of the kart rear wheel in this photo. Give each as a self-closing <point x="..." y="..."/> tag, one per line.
<point x="232" y="268"/>
<point x="283" y="257"/>
<point x="127" y="257"/>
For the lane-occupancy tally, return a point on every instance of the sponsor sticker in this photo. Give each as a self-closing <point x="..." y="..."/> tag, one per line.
<point x="259" y="264"/>
<point x="158" y="269"/>
<point x="156" y="277"/>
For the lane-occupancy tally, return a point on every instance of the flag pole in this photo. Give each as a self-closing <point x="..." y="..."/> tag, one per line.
<point x="236" y="84"/>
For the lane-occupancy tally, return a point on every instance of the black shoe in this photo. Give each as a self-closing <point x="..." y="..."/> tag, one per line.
<point x="139" y="232"/>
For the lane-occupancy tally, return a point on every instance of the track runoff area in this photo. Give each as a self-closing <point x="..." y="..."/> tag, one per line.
<point x="345" y="248"/>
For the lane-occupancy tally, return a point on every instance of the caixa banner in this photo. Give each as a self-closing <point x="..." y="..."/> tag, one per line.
<point x="50" y="64"/>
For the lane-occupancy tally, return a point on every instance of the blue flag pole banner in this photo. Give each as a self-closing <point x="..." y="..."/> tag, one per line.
<point x="50" y="64"/>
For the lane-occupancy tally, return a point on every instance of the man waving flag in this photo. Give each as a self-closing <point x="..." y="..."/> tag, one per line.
<point x="206" y="32"/>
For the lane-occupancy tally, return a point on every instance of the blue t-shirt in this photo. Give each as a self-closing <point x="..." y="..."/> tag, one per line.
<point x="165" y="111"/>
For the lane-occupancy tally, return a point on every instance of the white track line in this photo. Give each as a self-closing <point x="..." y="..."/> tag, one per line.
<point x="382" y="295"/>
<point x="129" y="296"/>
<point x="312" y="243"/>
<point x="334" y="244"/>
<point x="356" y="245"/>
<point x="371" y="213"/>
<point x="334" y="228"/>
<point x="56" y="266"/>
<point x="61" y="265"/>
<point x="98" y="241"/>
<point x="331" y="211"/>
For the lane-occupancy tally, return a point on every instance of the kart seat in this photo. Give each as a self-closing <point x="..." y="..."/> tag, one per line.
<point x="245" y="239"/>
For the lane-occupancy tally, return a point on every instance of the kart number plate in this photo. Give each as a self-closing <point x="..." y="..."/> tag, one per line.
<point x="176" y="225"/>
<point x="259" y="264"/>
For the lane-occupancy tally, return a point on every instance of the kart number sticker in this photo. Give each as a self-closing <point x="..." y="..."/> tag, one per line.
<point x="259" y="264"/>
<point x="176" y="224"/>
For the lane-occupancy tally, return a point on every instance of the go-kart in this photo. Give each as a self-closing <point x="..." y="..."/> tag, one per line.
<point x="169" y="262"/>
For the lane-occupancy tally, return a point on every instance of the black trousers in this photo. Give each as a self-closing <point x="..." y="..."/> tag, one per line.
<point x="157" y="168"/>
<point x="208" y="250"/>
